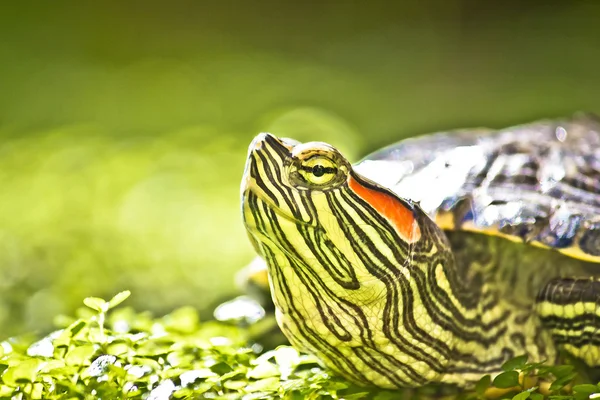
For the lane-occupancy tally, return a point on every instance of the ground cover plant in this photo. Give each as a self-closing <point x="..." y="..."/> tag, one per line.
<point x="108" y="351"/>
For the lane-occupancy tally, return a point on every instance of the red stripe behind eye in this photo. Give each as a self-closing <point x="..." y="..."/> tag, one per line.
<point x="391" y="208"/>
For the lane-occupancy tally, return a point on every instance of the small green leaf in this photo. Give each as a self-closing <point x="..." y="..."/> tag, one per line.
<point x="483" y="384"/>
<point x="507" y="380"/>
<point x="533" y="366"/>
<point x="586" y="388"/>
<point x="522" y="396"/>
<point x="263" y="370"/>
<point x="118" y="299"/>
<point x="562" y="381"/>
<point x="80" y="355"/>
<point x="76" y="327"/>
<point x="234" y="385"/>
<point x="221" y="368"/>
<point x="119" y="349"/>
<point x="184" y="320"/>
<point x="515" y="363"/>
<point x="561" y="370"/>
<point x="232" y="374"/>
<point x="24" y="372"/>
<point x="355" y="396"/>
<point x="536" y="396"/>
<point x="267" y="384"/>
<point x="3" y="368"/>
<point x="152" y="348"/>
<point x="582" y="396"/>
<point x="96" y="303"/>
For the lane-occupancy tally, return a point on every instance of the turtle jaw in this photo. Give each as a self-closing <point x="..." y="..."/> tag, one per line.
<point x="254" y="170"/>
<point x="262" y="189"/>
<point x="265" y="163"/>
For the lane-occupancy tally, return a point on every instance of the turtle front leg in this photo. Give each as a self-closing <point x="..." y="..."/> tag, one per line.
<point x="570" y="309"/>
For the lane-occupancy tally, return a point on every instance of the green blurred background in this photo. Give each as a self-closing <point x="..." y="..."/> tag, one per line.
<point x="124" y="125"/>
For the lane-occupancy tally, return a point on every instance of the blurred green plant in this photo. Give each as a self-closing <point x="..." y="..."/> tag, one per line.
<point x="100" y="214"/>
<point x="120" y="354"/>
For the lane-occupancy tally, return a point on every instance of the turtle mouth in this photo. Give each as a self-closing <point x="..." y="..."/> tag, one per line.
<point x="264" y="164"/>
<point x="267" y="142"/>
<point x="265" y="180"/>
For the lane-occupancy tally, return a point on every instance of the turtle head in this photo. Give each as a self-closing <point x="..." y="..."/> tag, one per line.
<point x="299" y="196"/>
<point x="341" y="250"/>
<point x="283" y="173"/>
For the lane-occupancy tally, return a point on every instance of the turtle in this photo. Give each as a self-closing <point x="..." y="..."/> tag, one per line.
<point x="438" y="258"/>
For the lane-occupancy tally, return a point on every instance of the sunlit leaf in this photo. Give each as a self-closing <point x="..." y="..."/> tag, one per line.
<point x="267" y="384"/>
<point x="22" y="373"/>
<point x="80" y="355"/>
<point x="522" y="396"/>
<point x="96" y="304"/>
<point x="263" y="370"/>
<point x="118" y="299"/>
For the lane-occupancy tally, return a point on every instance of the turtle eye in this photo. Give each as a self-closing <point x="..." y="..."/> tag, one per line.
<point x="318" y="170"/>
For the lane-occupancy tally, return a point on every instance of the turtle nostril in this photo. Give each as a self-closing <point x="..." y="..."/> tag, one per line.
<point x="257" y="143"/>
<point x="261" y="140"/>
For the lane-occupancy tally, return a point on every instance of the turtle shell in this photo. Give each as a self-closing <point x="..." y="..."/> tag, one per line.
<point x="537" y="183"/>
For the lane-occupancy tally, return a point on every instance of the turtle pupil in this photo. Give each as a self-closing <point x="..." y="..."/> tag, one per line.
<point x="318" y="170"/>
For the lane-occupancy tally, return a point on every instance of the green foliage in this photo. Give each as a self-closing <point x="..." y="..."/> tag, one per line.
<point x="120" y="354"/>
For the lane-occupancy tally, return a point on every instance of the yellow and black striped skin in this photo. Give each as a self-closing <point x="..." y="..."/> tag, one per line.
<point x="385" y="297"/>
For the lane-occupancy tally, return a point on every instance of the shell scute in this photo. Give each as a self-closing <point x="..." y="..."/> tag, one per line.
<point x="561" y="231"/>
<point x="537" y="183"/>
